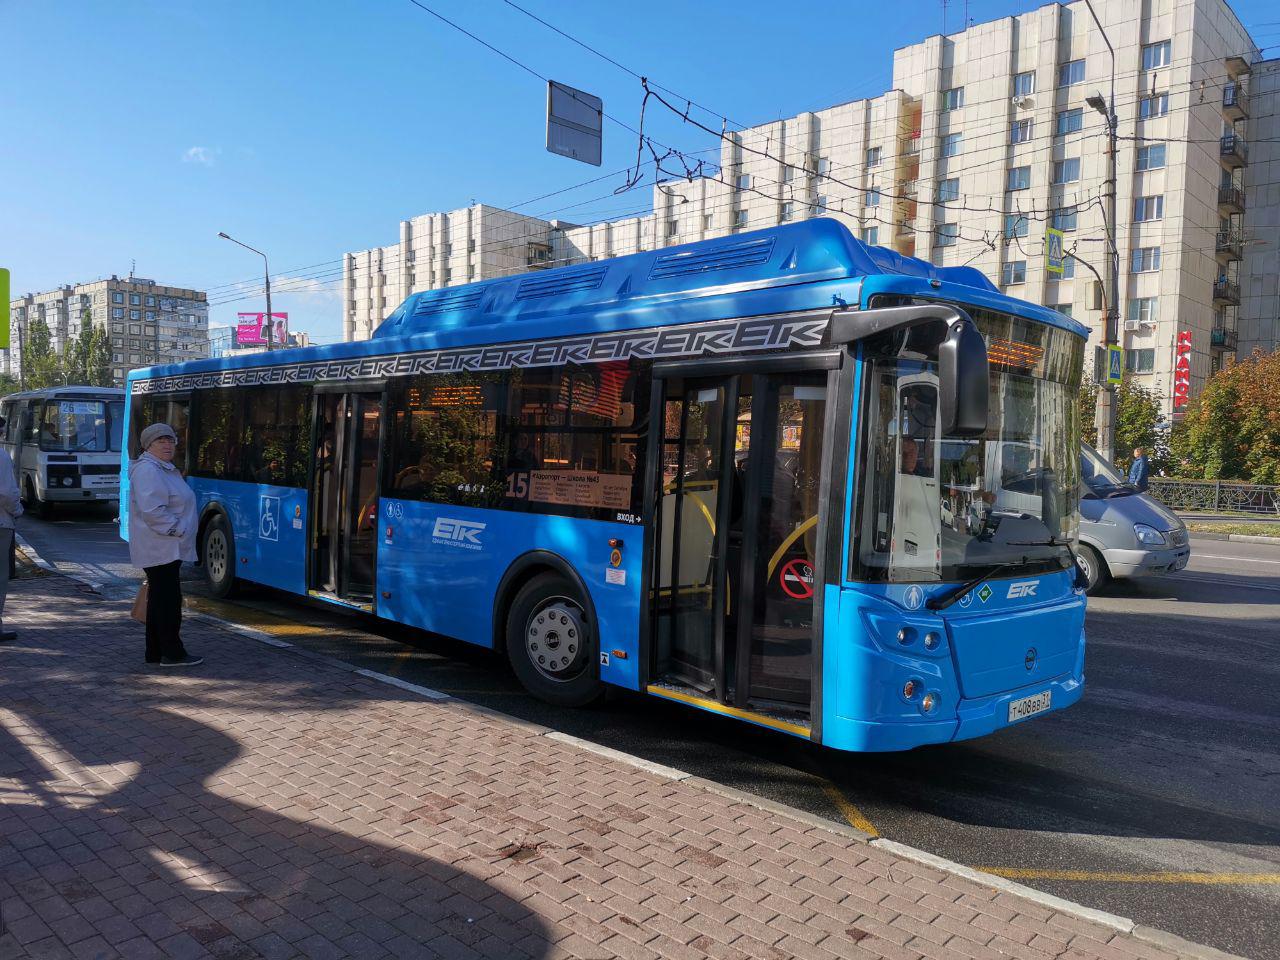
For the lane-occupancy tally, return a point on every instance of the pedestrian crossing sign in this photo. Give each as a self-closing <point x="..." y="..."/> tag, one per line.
<point x="1115" y="364"/>
<point x="1053" y="252"/>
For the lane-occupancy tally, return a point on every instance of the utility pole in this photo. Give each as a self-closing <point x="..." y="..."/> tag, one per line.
<point x="266" y="270"/>
<point x="1106" y="410"/>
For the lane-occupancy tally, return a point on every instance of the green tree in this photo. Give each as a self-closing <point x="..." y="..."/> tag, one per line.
<point x="1137" y="421"/>
<point x="98" y="360"/>
<point x="1231" y="431"/>
<point x="41" y="365"/>
<point x="86" y="360"/>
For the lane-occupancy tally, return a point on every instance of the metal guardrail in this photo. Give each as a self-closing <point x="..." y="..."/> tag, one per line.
<point x="1216" y="496"/>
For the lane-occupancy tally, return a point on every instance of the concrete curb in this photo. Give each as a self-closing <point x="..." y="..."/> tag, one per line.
<point x="1120" y="924"/>
<point x="1234" y="537"/>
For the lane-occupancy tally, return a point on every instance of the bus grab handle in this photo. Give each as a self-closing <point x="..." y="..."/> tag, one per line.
<point x="963" y="370"/>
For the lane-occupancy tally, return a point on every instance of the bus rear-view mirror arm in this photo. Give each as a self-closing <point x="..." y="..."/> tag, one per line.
<point x="963" y="372"/>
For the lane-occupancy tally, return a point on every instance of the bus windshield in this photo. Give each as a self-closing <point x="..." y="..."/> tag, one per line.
<point x="937" y="508"/>
<point x="77" y="426"/>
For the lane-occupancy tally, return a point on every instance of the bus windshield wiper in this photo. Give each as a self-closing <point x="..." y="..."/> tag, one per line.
<point x="1081" y="581"/>
<point x="941" y="603"/>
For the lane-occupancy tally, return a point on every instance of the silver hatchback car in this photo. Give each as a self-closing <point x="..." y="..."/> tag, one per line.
<point x="1124" y="533"/>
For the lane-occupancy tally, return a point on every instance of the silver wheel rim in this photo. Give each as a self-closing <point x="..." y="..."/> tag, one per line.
<point x="554" y="639"/>
<point x="215" y="555"/>
<point x="1083" y="560"/>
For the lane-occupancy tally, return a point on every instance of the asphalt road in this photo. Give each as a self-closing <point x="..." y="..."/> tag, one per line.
<point x="1169" y="766"/>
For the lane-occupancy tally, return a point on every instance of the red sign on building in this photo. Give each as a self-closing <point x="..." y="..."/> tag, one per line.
<point x="1182" y="372"/>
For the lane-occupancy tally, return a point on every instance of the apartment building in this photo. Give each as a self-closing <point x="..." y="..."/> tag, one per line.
<point x="439" y="250"/>
<point x="148" y="323"/>
<point x="986" y="139"/>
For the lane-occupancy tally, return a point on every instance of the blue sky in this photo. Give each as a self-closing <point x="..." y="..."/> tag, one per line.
<point x="138" y="129"/>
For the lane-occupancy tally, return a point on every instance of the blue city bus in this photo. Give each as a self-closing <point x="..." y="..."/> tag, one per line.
<point x="781" y="476"/>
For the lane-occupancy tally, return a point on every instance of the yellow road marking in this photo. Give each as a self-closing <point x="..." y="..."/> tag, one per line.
<point x="247" y="617"/>
<point x="397" y="664"/>
<point x="848" y="810"/>
<point x="1156" y="876"/>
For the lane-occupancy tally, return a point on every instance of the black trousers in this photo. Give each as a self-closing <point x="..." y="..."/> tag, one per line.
<point x="164" y="612"/>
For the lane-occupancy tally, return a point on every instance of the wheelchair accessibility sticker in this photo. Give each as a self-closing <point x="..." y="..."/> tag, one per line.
<point x="269" y="518"/>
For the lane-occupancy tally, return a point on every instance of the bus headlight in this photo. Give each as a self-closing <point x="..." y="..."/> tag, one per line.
<point x="1148" y="535"/>
<point x="929" y="702"/>
<point x="911" y="689"/>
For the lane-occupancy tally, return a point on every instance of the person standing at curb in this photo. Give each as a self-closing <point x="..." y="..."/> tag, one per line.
<point x="162" y="533"/>
<point x="1139" y="470"/>
<point x="10" y="511"/>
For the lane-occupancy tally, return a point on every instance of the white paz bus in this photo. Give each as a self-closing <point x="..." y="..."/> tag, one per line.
<point x="65" y="444"/>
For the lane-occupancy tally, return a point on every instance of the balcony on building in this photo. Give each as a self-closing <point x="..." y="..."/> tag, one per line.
<point x="1235" y="101"/>
<point x="1229" y="245"/>
<point x="1236" y="65"/>
<point x="1230" y="200"/>
<point x="1233" y="151"/>
<point x="1223" y="338"/>
<point x="1226" y="292"/>
<point x="538" y="256"/>
<point x="910" y="146"/>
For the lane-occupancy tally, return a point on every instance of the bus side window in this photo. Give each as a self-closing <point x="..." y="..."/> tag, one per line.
<point x="137" y="420"/>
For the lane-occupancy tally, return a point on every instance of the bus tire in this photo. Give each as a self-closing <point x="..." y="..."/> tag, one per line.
<point x="1094" y="567"/>
<point x="551" y="644"/>
<point x="42" y="508"/>
<point x="218" y="555"/>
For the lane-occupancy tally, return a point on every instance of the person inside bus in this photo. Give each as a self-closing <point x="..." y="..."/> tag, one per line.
<point x="162" y="533"/>
<point x="50" y="438"/>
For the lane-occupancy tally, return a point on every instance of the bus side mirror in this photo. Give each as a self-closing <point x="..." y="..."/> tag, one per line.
<point x="964" y="381"/>
<point x="963" y="372"/>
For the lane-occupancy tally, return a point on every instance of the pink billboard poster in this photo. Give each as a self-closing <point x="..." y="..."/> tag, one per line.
<point x="252" y="332"/>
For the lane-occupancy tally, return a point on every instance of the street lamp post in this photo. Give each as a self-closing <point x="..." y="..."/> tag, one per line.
<point x="266" y="271"/>
<point x="1106" y="410"/>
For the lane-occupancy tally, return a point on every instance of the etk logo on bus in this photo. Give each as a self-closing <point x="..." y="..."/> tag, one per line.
<point x="1022" y="588"/>
<point x="457" y="533"/>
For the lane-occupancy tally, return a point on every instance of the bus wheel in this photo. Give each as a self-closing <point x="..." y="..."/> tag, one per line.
<point x="42" y="508"/>
<point x="218" y="554"/>
<point x="1094" y="567"/>
<point x="549" y="643"/>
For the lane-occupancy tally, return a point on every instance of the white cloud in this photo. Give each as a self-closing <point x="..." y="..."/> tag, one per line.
<point x="205" y="156"/>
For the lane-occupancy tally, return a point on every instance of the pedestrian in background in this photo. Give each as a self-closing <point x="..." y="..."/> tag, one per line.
<point x="1139" y="470"/>
<point x="10" y="511"/>
<point x="162" y="533"/>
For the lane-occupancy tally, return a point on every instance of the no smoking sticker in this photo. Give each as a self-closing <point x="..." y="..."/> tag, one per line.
<point x="796" y="579"/>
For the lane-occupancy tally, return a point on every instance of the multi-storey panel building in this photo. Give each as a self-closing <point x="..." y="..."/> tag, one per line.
<point x="148" y="323"/>
<point x="987" y="138"/>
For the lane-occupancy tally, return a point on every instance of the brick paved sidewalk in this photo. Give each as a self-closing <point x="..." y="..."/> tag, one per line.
<point x="274" y="804"/>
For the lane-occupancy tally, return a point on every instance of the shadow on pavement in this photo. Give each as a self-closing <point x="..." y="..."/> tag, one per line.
<point x="188" y="861"/>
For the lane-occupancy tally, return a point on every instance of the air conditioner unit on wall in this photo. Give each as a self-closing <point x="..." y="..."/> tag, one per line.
<point x="1021" y="101"/>
<point x="1133" y="324"/>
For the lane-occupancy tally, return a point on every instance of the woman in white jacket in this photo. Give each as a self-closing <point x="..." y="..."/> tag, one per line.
<point x="162" y="533"/>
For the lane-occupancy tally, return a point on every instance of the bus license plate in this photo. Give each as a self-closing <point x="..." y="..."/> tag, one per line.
<point x="1029" y="706"/>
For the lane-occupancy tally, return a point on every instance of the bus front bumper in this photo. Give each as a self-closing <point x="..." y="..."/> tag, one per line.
<point x="79" y="495"/>
<point x="973" y="718"/>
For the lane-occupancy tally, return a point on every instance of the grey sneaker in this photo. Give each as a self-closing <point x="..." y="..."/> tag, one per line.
<point x="184" y="661"/>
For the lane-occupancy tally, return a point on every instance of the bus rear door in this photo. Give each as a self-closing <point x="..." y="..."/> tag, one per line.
<point x="344" y="496"/>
